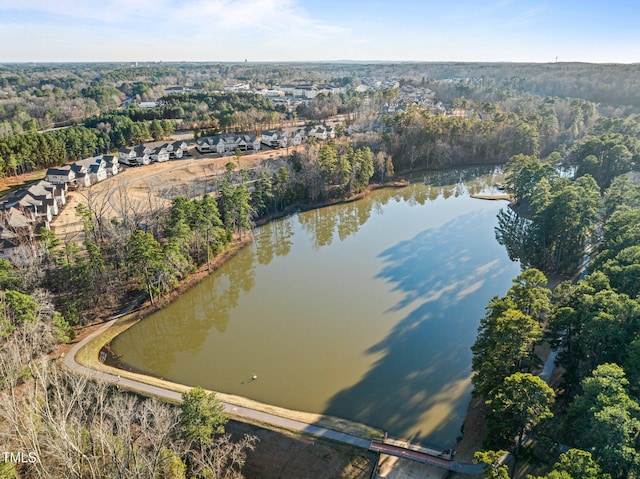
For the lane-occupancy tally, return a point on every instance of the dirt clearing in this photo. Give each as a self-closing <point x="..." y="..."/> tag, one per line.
<point x="281" y="455"/>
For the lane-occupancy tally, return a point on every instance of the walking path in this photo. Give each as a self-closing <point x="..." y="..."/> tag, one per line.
<point x="242" y="412"/>
<point x="549" y="365"/>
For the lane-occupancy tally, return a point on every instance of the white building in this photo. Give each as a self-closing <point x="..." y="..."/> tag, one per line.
<point x="227" y="143"/>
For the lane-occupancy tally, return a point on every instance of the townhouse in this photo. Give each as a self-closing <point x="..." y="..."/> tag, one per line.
<point x="227" y="143"/>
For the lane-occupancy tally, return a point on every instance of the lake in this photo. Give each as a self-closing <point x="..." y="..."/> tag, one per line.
<point x="365" y="310"/>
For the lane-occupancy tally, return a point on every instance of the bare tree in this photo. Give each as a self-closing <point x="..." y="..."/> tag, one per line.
<point x="81" y="428"/>
<point x="97" y="200"/>
<point x="222" y="458"/>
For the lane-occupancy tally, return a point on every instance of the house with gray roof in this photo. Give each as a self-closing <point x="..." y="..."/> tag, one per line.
<point x="274" y="139"/>
<point x="135" y="156"/>
<point x="178" y="149"/>
<point x="227" y="143"/>
<point x="160" y="154"/>
<point x="60" y="176"/>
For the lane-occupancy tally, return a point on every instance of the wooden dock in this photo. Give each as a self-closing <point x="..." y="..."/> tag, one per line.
<point x="499" y="196"/>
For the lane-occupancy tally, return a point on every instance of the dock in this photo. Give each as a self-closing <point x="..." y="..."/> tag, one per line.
<point x="500" y="196"/>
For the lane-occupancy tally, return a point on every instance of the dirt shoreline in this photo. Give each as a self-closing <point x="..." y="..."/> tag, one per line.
<point x="473" y="424"/>
<point x="88" y="356"/>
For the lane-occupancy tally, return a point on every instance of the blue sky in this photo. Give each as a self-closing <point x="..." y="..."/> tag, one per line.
<point x="312" y="30"/>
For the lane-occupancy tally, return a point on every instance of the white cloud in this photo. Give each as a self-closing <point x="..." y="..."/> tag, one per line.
<point x="277" y="30"/>
<point x="104" y="11"/>
<point x="525" y="17"/>
<point x="229" y="15"/>
<point x="165" y="29"/>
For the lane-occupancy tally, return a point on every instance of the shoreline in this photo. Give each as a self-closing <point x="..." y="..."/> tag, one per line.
<point x="88" y="355"/>
<point x="302" y="207"/>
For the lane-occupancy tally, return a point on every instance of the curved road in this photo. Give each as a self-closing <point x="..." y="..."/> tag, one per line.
<point x="146" y="389"/>
<point x="242" y="412"/>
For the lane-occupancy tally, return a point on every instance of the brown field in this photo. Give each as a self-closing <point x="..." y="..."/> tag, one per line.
<point x="283" y="455"/>
<point x="142" y="188"/>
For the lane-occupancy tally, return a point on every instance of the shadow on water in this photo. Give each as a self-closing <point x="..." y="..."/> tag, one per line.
<point x="414" y="380"/>
<point x="419" y="388"/>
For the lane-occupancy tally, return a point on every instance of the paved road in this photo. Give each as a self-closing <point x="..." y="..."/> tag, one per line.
<point x="242" y="412"/>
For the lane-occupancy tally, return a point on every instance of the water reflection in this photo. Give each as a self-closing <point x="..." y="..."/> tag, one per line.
<point x="364" y="310"/>
<point x="182" y="327"/>
<point x="324" y="223"/>
<point x="237" y="275"/>
<point x="155" y="340"/>
<point x="272" y="240"/>
<point x="511" y="233"/>
<point x="420" y="385"/>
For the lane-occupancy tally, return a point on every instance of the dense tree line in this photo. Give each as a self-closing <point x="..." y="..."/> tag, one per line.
<point x="120" y="130"/>
<point x="420" y="139"/>
<point x="557" y="216"/>
<point x="594" y="324"/>
<point x="153" y="73"/>
<point x="219" y="111"/>
<point x="611" y="85"/>
<point x="324" y="105"/>
<point x="595" y="329"/>
<point x="333" y="170"/>
<point x="107" y="98"/>
<point x="503" y="356"/>
<point x="490" y="133"/>
<point x="35" y="151"/>
<point x="611" y="148"/>
<point x="558" y="224"/>
<point x="119" y="255"/>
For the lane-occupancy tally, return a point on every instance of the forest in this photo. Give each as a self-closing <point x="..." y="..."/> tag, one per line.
<point x="559" y="225"/>
<point x="569" y="149"/>
<point x="521" y="108"/>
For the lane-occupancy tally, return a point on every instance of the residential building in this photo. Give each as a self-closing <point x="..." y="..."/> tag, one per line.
<point x="274" y="139"/>
<point x="227" y="143"/>
<point x="111" y="164"/>
<point x="60" y="176"/>
<point x="178" y="149"/>
<point x="297" y="137"/>
<point x="160" y="154"/>
<point x="135" y="156"/>
<point x="236" y="87"/>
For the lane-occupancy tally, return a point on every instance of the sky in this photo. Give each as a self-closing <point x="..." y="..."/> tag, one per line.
<point x="320" y="30"/>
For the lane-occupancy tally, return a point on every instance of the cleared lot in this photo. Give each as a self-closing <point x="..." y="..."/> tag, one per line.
<point x="145" y="187"/>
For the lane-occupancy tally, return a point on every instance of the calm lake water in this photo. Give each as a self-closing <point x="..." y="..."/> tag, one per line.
<point x="364" y="311"/>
